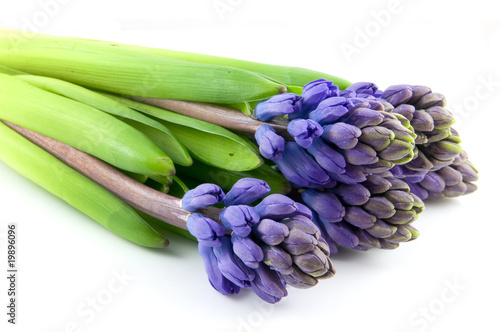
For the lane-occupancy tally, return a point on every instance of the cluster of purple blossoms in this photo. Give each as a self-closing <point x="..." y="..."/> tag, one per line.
<point x="364" y="159"/>
<point x="338" y="135"/>
<point x="440" y="168"/>
<point x="264" y="247"/>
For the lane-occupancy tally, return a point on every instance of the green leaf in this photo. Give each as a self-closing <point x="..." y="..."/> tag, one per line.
<point x="81" y="126"/>
<point x="158" y="133"/>
<point x="131" y="72"/>
<point x="74" y="188"/>
<point x="207" y="142"/>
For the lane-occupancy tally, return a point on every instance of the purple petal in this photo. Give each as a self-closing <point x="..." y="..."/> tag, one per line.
<point x="247" y="250"/>
<point x="204" y="195"/>
<point x="325" y="204"/>
<point x="281" y="104"/>
<point x="343" y="135"/>
<point x="304" y="131"/>
<point x="217" y="280"/>
<point x="247" y="190"/>
<point x="271" y="145"/>
<point x="239" y="218"/>
<point x="206" y="230"/>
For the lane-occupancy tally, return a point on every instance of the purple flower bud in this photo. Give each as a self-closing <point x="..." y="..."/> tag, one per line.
<point x="343" y="135"/>
<point x="246" y="191"/>
<point x="422" y="121"/>
<point x="352" y="174"/>
<point x="286" y="103"/>
<point x="381" y="229"/>
<point x="231" y="266"/>
<point x="247" y="250"/>
<point x="450" y="176"/>
<point x="377" y="184"/>
<point x="303" y="236"/>
<point x="299" y="279"/>
<point x="380" y="166"/>
<point x="363" y="117"/>
<point x="366" y="241"/>
<point x="429" y="100"/>
<point x="420" y="164"/>
<point x="271" y="145"/>
<point x="400" y="199"/>
<point x="314" y="263"/>
<point x="352" y="194"/>
<point x="205" y="230"/>
<point x="397" y="150"/>
<point x="377" y="137"/>
<point x="325" y="238"/>
<point x="270" y="232"/>
<point x="347" y="94"/>
<point x="314" y="93"/>
<point x="382" y="207"/>
<point x="330" y="110"/>
<point x="397" y="184"/>
<point x="304" y="131"/>
<point x="418" y="92"/>
<point x="444" y="150"/>
<point x="363" y="89"/>
<point x="278" y="207"/>
<point x="398" y="94"/>
<point x="342" y="234"/>
<point x="217" y="280"/>
<point x="328" y="158"/>
<point x="290" y="173"/>
<point x="433" y="182"/>
<point x="469" y="172"/>
<point x="204" y="195"/>
<point x="402" y="217"/>
<point x="361" y="154"/>
<point x="268" y="285"/>
<point x="405" y="110"/>
<point x="325" y="204"/>
<point x="239" y="218"/>
<point x="277" y="259"/>
<point x="358" y="217"/>
<point x="297" y="160"/>
<point x="419" y="191"/>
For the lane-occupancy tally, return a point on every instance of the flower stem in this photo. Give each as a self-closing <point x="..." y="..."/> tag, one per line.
<point x="225" y="117"/>
<point x="159" y="205"/>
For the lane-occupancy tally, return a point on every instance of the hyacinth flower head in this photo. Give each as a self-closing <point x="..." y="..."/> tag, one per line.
<point x="264" y="247"/>
<point x="438" y="144"/>
<point x="341" y="137"/>
<point x="376" y="213"/>
<point x="453" y="180"/>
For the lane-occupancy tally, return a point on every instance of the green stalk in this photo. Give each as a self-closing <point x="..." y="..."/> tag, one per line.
<point x="135" y="194"/>
<point x="61" y="180"/>
<point x="81" y="126"/>
<point x="132" y="72"/>
<point x="293" y="77"/>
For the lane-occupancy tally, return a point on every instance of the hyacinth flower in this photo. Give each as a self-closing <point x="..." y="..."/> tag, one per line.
<point x="264" y="247"/>
<point x="453" y="180"/>
<point x="437" y="142"/>
<point x="340" y="136"/>
<point x="376" y="213"/>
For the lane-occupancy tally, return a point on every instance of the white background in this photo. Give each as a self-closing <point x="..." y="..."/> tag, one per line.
<point x="65" y="258"/>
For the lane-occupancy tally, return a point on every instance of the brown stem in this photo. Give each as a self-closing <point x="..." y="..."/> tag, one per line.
<point x="159" y="205"/>
<point x="225" y="117"/>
